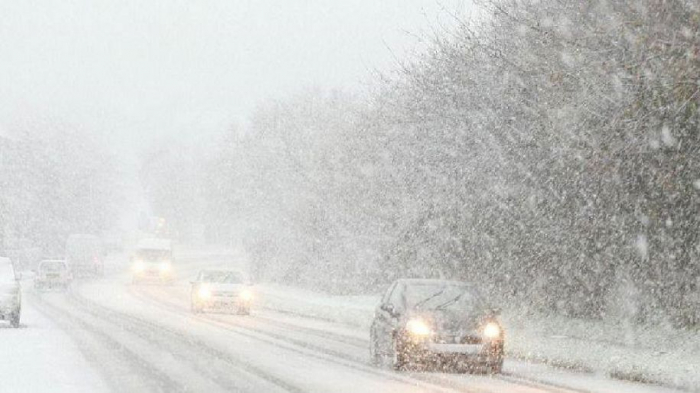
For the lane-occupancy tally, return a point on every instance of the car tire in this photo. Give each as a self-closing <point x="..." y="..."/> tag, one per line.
<point x="496" y="368"/>
<point x="195" y="308"/>
<point x="14" y="319"/>
<point x="375" y="358"/>
<point x="398" y="355"/>
<point x="244" y="311"/>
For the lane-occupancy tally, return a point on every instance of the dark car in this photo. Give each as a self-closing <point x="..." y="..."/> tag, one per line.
<point x="444" y="324"/>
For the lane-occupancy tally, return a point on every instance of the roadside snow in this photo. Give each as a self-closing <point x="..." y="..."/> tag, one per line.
<point x="355" y="311"/>
<point x="39" y="357"/>
<point x="609" y="348"/>
<point x="665" y="356"/>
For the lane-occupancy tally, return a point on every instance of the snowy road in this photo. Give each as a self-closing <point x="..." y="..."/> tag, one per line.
<point x="144" y="339"/>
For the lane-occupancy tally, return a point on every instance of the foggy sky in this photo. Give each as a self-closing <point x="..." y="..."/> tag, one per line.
<point x="137" y="69"/>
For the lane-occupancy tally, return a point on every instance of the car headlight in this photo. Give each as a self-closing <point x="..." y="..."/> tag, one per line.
<point x="139" y="266"/>
<point x="418" y="327"/>
<point x="492" y="330"/>
<point x="246" y="295"/>
<point x="164" y="267"/>
<point x="204" y="293"/>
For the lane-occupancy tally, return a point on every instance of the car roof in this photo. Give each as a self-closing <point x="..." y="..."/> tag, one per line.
<point x="221" y="271"/>
<point x="432" y="281"/>
<point x="53" y="260"/>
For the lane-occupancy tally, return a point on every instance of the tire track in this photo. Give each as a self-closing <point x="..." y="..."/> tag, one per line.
<point x="223" y="361"/>
<point x="336" y="356"/>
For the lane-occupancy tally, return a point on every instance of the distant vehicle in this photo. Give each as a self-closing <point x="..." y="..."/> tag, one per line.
<point x="10" y="293"/>
<point x="113" y="242"/>
<point x="52" y="274"/>
<point x="222" y="290"/>
<point x="84" y="255"/>
<point x="444" y="324"/>
<point x="152" y="261"/>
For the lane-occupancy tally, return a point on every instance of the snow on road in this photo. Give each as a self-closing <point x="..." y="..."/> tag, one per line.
<point x="40" y="357"/>
<point x="143" y="338"/>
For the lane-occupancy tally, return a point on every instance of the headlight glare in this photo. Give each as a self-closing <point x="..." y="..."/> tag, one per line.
<point x="418" y="327"/>
<point x="139" y="266"/>
<point x="164" y="267"/>
<point x="492" y="330"/>
<point x="246" y="295"/>
<point x="204" y="293"/>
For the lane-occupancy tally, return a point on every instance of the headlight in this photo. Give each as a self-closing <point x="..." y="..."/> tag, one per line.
<point x="164" y="267"/>
<point x="246" y="295"/>
<point x="204" y="293"/>
<point x="139" y="266"/>
<point x="418" y="327"/>
<point x="492" y="330"/>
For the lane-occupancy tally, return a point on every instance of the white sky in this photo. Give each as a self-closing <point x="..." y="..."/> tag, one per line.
<point x="145" y="68"/>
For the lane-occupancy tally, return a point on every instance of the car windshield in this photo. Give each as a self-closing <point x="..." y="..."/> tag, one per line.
<point x="53" y="266"/>
<point x="7" y="273"/>
<point x="153" y="255"/>
<point x="440" y="296"/>
<point x="221" y="277"/>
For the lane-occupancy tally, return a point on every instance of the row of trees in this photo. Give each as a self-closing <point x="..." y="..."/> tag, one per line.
<point x="54" y="181"/>
<point x="549" y="152"/>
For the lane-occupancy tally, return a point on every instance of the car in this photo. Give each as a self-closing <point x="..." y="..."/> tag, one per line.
<point x="221" y="289"/>
<point x="84" y="255"/>
<point x="152" y="261"/>
<point x="10" y="293"/>
<point x="51" y="274"/>
<point x="438" y="323"/>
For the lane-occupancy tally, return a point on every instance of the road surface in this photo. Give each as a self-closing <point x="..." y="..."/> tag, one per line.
<point x="143" y="338"/>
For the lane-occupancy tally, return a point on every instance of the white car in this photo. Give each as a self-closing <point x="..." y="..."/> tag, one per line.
<point x="52" y="274"/>
<point x="10" y="293"/>
<point x="153" y="261"/>
<point x="221" y="290"/>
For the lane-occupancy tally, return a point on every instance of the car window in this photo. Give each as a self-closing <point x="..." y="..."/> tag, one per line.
<point x="222" y="277"/>
<point x="387" y="293"/>
<point x="53" y="266"/>
<point x="7" y="272"/>
<point x="396" y="297"/>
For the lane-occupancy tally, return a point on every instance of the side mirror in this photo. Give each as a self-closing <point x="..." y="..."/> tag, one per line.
<point x="388" y="307"/>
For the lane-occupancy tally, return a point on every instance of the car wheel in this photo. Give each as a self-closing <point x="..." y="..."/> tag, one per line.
<point x="14" y="319"/>
<point x="195" y="308"/>
<point x="496" y="368"/>
<point x="374" y="356"/>
<point x="399" y="356"/>
<point x="244" y="311"/>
